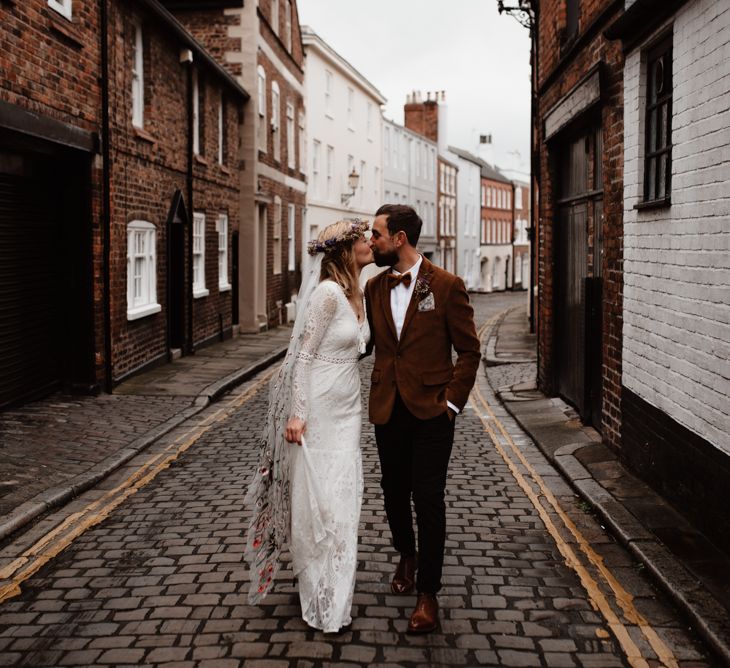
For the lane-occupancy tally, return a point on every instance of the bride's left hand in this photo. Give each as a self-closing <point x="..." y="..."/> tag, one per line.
<point x="295" y="428"/>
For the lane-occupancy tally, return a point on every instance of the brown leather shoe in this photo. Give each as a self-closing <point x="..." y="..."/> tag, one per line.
<point x="425" y="617"/>
<point x="405" y="575"/>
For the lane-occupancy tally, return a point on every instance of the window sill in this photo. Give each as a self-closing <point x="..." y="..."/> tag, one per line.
<point x="200" y="159"/>
<point x="198" y="293"/>
<point x="143" y="311"/>
<point x="224" y="169"/>
<point x="141" y="133"/>
<point x="65" y="27"/>
<point x="663" y="203"/>
<point x="224" y="287"/>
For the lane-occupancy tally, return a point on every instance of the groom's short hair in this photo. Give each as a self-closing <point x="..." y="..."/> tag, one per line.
<point x="402" y="218"/>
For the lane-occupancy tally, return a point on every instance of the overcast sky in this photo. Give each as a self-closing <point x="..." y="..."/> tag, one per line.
<point x="481" y="60"/>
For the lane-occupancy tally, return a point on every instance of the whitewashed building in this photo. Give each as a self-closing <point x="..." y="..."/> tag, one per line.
<point x="676" y="270"/>
<point x="468" y="247"/>
<point x="520" y="238"/>
<point x="409" y="177"/>
<point x="344" y="136"/>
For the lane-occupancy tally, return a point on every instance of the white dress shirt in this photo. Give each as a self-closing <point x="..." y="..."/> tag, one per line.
<point x="400" y="297"/>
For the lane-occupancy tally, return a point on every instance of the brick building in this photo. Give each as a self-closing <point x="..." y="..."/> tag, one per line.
<point x="51" y="276"/>
<point x="260" y="44"/>
<point x="578" y="133"/>
<point x="174" y="190"/>
<point x="632" y="144"/>
<point x="676" y="341"/>
<point x="496" y="230"/>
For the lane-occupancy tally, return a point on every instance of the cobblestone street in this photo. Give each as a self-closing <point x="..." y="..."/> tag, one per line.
<point x="153" y="571"/>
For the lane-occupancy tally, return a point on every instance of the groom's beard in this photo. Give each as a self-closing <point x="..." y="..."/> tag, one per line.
<point x="385" y="259"/>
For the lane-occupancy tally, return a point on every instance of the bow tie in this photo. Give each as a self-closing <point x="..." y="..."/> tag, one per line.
<point x="397" y="279"/>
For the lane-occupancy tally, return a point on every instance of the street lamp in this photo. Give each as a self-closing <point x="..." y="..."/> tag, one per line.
<point x="352" y="180"/>
<point x="523" y="12"/>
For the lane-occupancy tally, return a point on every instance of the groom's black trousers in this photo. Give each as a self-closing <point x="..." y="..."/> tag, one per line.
<point x="414" y="457"/>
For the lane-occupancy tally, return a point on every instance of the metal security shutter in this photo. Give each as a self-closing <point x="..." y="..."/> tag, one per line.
<point x="29" y="283"/>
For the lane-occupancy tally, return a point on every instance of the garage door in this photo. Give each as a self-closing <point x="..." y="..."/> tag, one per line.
<point x="29" y="280"/>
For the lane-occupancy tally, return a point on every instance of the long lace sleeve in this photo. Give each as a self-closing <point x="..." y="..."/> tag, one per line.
<point x="321" y="311"/>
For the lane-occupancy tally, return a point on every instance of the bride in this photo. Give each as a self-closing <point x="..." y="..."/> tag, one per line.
<point x="307" y="489"/>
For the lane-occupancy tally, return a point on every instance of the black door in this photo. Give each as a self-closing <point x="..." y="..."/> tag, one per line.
<point x="578" y="286"/>
<point x="31" y="279"/>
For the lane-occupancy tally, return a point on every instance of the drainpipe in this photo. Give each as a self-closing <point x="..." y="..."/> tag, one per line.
<point x="105" y="196"/>
<point x="535" y="175"/>
<point x="189" y="187"/>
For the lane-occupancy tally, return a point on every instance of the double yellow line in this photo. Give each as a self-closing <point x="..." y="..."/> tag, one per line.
<point x="61" y="536"/>
<point x="595" y="594"/>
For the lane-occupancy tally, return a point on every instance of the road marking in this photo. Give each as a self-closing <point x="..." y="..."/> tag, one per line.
<point x="596" y="596"/>
<point x="61" y="536"/>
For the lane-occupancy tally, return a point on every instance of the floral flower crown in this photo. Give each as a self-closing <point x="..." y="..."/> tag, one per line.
<point x="357" y="229"/>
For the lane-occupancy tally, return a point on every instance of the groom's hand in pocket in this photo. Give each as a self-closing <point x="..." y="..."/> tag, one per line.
<point x="295" y="428"/>
<point x="451" y="413"/>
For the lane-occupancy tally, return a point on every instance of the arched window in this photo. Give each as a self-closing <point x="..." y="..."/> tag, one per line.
<point x="141" y="270"/>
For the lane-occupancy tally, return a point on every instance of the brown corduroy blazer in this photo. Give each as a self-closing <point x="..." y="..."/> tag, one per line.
<point x="419" y="366"/>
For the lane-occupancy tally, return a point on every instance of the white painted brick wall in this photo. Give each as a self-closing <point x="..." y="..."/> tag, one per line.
<point x="676" y="337"/>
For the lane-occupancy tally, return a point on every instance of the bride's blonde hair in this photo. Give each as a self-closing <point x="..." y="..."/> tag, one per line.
<point x="338" y="264"/>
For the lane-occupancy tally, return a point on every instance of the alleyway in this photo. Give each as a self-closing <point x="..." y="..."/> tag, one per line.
<point x="149" y="570"/>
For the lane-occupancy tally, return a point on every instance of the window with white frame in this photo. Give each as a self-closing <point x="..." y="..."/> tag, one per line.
<point x="275" y="15"/>
<point x="328" y="93"/>
<point x="63" y="7"/>
<point x="197" y="116"/>
<point x="275" y="119"/>
<point x="222" y="229"/>
<point x="350" y="103"/>
<point x="518" y="197"/>
<point x="394" y="147"/>
<point x="376" y="183"/>
<point x="287" y="25"/>
<point x="138" y="78"/>
<point x="222" y="135"/>
<point x="141" y="270"/>
<point x="316" y="166"/>
<point x="290" y="157"/>
<point x="277" y="235"/>
<point x="199" y="289"/>
<point x="369" y="121"/>
<point x="302" y="144"/>
<point x="330" y="171"/>
<point x="386" y="146"/>
<point x="291" y="231"/>
<point x="261" y="94"/>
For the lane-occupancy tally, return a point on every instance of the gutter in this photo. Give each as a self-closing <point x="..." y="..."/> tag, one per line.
<point x="106" y="195"/>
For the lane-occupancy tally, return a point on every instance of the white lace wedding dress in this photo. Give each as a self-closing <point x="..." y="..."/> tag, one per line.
<point x="326" y="472"/>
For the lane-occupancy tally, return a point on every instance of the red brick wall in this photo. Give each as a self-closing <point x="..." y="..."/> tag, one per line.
<point x="148" y="166"/>
<point x="577" y="60"/>
<point x="207" y="28"/>
<point x="422" y="117"/>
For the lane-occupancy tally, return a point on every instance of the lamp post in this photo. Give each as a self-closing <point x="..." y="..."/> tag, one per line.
<point x="526" y="13"/>
<point x="352" y="180"/>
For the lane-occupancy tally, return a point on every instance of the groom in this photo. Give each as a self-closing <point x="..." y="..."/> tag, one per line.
<point x="418" y="312"/>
